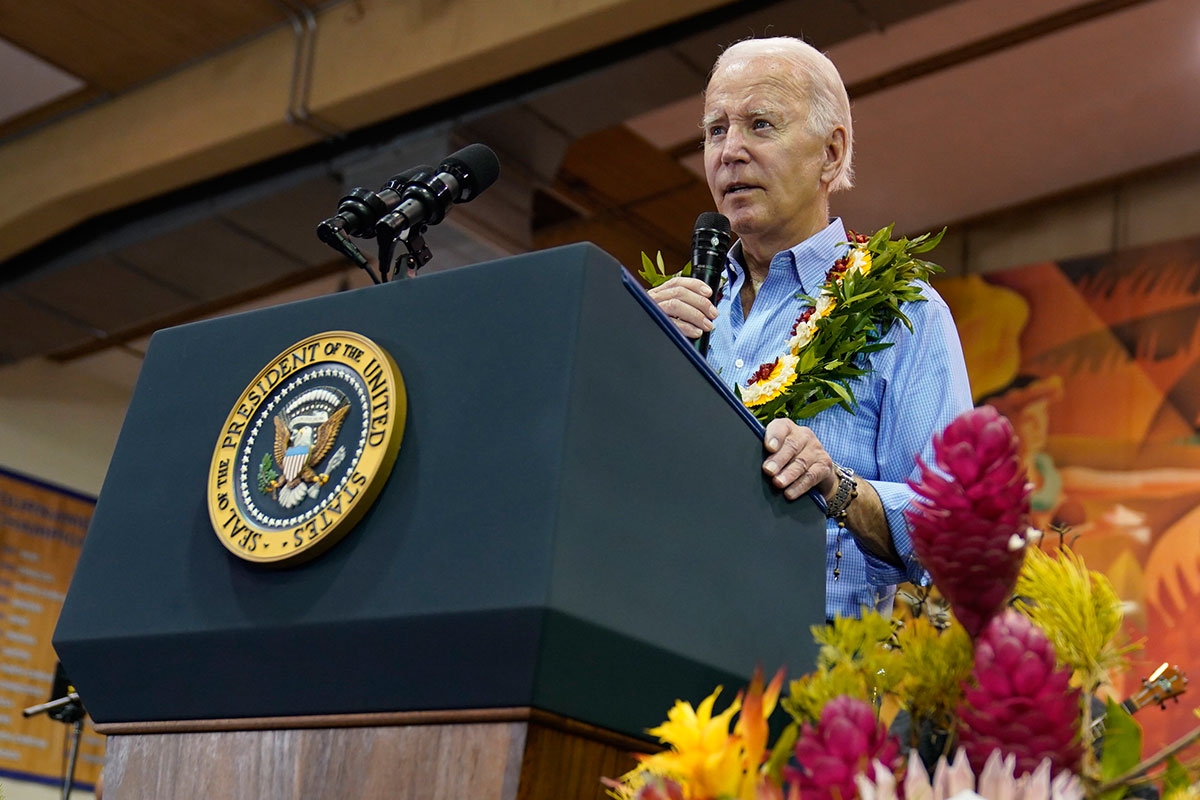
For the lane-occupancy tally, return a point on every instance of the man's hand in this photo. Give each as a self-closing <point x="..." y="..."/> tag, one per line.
<point x="687" y="301"/>
<point x="796" y="460"/>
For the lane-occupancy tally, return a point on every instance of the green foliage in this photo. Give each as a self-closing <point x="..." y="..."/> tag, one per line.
<point x="855" y="659"/>
<point x="1175" y="781"/>
<point x="921" y="666"/>
<point x="867" y="306"/>
<point x="656" y="275"/>
<point x="266" y="473"/>
<point x="809" y="694"/>
<point x="1122" y="747"/>
<point x="780" y="753"/>
<point x="934" y="664"/>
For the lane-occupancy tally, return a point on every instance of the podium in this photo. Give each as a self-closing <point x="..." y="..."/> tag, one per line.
<point x="576" y="532"/>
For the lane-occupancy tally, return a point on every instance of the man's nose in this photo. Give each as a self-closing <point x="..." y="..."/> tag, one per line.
<point x="733" y="147"/>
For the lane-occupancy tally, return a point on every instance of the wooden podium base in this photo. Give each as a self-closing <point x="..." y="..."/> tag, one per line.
<point x="492" y="754"/>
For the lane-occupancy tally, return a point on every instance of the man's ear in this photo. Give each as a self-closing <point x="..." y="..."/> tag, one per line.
<point x="835" y="154"/>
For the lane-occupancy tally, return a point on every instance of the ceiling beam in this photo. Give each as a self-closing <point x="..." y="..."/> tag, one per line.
<point x="373" y="60"/>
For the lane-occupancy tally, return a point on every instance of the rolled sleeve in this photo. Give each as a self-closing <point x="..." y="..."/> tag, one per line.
<point x="927" y="388"/>
<point x="895" y="498"/>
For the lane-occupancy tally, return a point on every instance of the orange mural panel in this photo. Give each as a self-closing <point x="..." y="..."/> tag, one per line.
<point x="1106" y="400"/>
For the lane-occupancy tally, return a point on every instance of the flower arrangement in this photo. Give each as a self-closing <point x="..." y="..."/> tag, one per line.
<point x="996" y="692"/>
<point x="854" y="308"/>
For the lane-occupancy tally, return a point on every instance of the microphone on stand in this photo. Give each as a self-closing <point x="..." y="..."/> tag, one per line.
<point x="711" y="240"/>
<point x="426" y="198"/>
<point x="405" y="206"/>
<point x="359" y="211"/>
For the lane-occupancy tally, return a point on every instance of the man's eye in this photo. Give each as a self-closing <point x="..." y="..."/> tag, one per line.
<point x="716" y="130"/>
<point x="761" y="124"/>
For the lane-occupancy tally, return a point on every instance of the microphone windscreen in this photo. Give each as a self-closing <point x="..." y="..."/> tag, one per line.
<point x="477" y="165"/>
<point x="713" y="220"/>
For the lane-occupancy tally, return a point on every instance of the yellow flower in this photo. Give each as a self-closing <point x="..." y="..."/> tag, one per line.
<point x="1078" y="610"/>
<point x="704" y="757"/>
<point x="860" y="260"/>
<point x="934" y="665"/>
<point x="804" y="334"/>
<point x="766" y="388"/>
<point x="826" y="303"/>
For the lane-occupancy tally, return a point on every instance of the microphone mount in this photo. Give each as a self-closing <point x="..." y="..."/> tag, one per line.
<point x="404" y="209"/>
<point x="66" y="708"/>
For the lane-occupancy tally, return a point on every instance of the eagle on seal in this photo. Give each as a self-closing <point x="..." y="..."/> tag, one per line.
<point x="298" y="451"/>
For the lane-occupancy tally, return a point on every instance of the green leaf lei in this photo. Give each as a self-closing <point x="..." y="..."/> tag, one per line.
<point x="855" y="307"/>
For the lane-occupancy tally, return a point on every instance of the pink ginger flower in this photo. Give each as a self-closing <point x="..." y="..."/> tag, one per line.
<point x="844" y="743"/>
<point x="970" y="520"/>
<point x="1020" y="702"/>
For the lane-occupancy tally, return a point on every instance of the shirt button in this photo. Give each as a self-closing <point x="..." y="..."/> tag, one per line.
<point x="739" y="363"/>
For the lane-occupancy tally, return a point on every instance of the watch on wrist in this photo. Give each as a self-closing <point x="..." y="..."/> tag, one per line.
<point x="847" y="490"/>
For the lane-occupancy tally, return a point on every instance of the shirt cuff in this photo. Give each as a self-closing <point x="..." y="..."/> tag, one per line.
<point x="895" y="498"/>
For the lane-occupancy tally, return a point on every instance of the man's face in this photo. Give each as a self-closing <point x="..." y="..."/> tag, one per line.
<point x="765" y="170"/>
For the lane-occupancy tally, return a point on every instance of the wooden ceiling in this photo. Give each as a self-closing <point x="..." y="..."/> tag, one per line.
<point x="116" y="45"/>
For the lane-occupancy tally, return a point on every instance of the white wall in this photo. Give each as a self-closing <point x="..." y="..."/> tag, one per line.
<point x="59" y="423"/>
<point x="19" y="790"/>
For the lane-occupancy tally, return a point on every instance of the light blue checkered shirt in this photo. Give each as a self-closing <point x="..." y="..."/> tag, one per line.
<point x="915" y="389"/>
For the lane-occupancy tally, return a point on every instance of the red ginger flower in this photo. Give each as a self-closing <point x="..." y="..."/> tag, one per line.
<point x="844" y="744"/>
<point x="964" y="522"/>
<point x="1020" y="702"/>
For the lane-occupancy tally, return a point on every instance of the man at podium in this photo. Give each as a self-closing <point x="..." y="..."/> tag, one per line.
<point x="777" y="142"/>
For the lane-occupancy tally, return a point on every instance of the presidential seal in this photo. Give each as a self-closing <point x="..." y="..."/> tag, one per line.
<point x="306" y="449"/>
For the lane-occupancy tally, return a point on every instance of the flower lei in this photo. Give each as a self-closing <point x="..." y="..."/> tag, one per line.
<point x="857" y="304"/>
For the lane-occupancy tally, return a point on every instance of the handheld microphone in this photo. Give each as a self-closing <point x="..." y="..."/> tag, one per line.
<point x="426" y="199"/>
<point x="711" y="240"/>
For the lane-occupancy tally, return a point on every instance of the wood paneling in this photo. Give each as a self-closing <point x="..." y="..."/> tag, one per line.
<point x="539" y="758"/>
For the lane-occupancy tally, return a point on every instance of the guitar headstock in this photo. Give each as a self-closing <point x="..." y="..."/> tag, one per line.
<point x="1164" y="683"/>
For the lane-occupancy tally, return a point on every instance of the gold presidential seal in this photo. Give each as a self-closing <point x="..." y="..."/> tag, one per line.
<point x="306" y="449"/>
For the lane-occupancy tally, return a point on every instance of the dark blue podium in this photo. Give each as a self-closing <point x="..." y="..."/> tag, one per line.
<point x="576" y="526"/>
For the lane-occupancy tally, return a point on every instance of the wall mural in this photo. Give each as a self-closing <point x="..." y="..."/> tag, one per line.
<point x="1097" y="363"/>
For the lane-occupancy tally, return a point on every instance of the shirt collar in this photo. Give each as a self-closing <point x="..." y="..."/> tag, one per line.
<point x="810" y="259"/>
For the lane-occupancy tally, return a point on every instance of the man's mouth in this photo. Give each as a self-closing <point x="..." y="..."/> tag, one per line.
<point x="739" y="188"/>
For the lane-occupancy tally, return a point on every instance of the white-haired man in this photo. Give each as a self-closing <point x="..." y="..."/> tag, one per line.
<point x="777" y="142"/>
